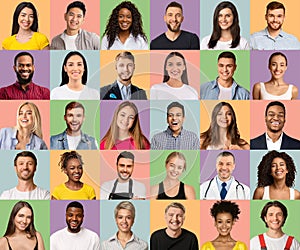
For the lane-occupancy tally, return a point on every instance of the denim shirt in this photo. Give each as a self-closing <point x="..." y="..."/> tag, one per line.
<point x="60" y="141"/>
<point x="210" y="91"/>
<point x="8" y="140"/>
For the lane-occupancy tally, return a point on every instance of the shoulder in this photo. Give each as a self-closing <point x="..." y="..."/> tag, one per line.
<point x="158" y="86"/>
<point x="297" y="194"/>
<point x="3" y="243"/>
<point x="289" y="36"/>
<point x="158" y="233"/>
<point x="55" y="137"/>
<point x="56" y="92"/>
<point x="187" y="233"/>
<point x="240" y="246"/>
<point x="156" y="42"/>
<point x="189" y="133"/>
<point x="189" y="192"/>
<point x="89" y="232"/>
<point x="258" y="193"/>
<point x="189" y="34"/>
<point x="136" y="88"/>
<point x="258" y="34"/>
<point x="40" y="36"/>
<point x="207" y="246"/>
<point x="207" y="85"/>
<point x="159" y="135"/>
<point x="58" y="233"/>
<point x="89" y="34"/>
<point x="204" y="42"/>
<point x="154" y="191"/>
<point x="7" y="41"/>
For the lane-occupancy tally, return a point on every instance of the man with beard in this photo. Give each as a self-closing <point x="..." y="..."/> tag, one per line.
<point x="273" y="37"/>
<point x="174" y="236"/>
<point x="25" y="164"/>
<point x="274" y="138"/>
<point x="174" y="37"/>
<point x="74" y="236"/>
<point x="122" y="88"/>
<point x="73" y="138"/>
<point x="24" y="88"/>
<point x="224" y="186"/>
<point x="124" y="187"/>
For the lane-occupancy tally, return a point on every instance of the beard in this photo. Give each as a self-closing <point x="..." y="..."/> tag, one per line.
<point x="173" y="30"/>
<point x="22" y="80"/>
<point x="275" y="29"/>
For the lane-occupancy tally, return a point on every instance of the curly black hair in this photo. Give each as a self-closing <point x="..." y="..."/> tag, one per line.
<point x="112" y="27"/>
<point x="225" y="207"/>
<point x="264" y="176"/>
<point x="66" y="156"/>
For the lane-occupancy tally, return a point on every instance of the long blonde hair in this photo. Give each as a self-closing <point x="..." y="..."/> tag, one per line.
<point x="37" y="122"/>
<point x="135" y="131"/>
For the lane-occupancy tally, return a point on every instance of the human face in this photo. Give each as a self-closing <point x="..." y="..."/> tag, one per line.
<point x="225" y="18"/>
<point x="224" y="117"/>
<point x="278" y="168"/>
<point x="24" y="69"/>
<point x="23" y="219"/>
<point x="25" y="117"/>
<point x="74" y="170"/>
<point x="124" y="220"/>
<point x="25" y="168"/>
<point x="278" y="67"/>
<point x="125" y="118"/>
<point x="125" y="69"/>
<point x="274" y="218"/>
<point x="74" y="68"/>
<point x="175" y="167"/>
<point x="225" y="166"/>
<point x="124" y="19"/>
<point x="275" y="119"/>
<point x="74" y="19"/>
<point x="226" y="68"/>
<point x="74" y="119"/>
<point x="25" y="19"/>
<point x="173" y="18"/>
<point x="275" y="19"/>
<point x="175" y="120"/>
<point x="74" y="219"/>
<point x="174" y="218"/>
<point x="224" y="223"/>
<point x="125" y="168"/>
<point x="175" y="67"/>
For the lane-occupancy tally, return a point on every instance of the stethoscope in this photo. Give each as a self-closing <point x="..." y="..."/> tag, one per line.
<point x="239" y="185"/>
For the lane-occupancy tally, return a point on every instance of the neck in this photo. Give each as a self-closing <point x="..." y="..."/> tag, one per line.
<point x="223" y="179"/>
<point x="73" y="133"/>
<point x="277" y="82"/>
<point x="25" y="185"/>
<point x="224" y="238"/>
<point x="275" y="233"/>
<point x="172" y="233"/>
<point x="124" y="236"/>
<point x="26" y="32"/>
<point x="23" y="86"/>
<point x="70" y="32"/>
<point x="123" y="181"/>
<point x="170" y="182"/>
<point x="123" y="134"/>
<point x="124" y="34"/>
<point x="273" y="33"/>
<point x="280" y="184"/>
<point x="225" y="84"/>
<point x="125" y="83"/>
<point x="24" y="133"/>
<point x="75" y="85"/>
<point x="174" y="83"/>
<point x="171" y="35"/>
<point x="73" y="184"/>
<point x="225" y="35"/>
<point x="274" y="135"/>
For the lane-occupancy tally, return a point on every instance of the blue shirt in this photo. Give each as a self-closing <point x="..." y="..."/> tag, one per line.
<point x="263" y="41"/>
<point x="211" y="91"/>
<point x="8" y="140"/>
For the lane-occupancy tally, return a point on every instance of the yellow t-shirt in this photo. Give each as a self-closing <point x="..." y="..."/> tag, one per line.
<point x="61" y="192"/>
<point x="238" y="246"/>
<point x="38" y="41"/>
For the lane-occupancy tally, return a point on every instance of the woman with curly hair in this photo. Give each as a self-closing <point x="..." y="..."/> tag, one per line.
<point x="124" y="29"/>
<point x="276" y="175"/>
<point x="125" y="130"/>
<point x="223" y="131"/>
<point x="226" y="29"/>
<point x="225" y="213"/>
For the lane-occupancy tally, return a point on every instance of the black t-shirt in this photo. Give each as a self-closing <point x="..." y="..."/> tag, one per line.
<point x="186" y="40"/>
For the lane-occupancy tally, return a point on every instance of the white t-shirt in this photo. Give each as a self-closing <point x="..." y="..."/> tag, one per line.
<point x="131" y="43"/>
<point x="69" y="41"/>
<point x="273" y="243"/>
<point x="36" y="194"/>
<point x="225" y="45"/>
<point x="138" y="189"/>
<point x="65" y="240"/>
<point x="65" y="93"/>
<point x="225" y="93"/>
<point x="73" y="141"/>
<point x="163" y="91"/>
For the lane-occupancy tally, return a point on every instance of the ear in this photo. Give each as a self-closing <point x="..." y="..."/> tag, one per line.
<point x="65" y="118"/>
<point x="65" y="16"/>
<point x="65" y="68"/>
<point x="15" y="68"/>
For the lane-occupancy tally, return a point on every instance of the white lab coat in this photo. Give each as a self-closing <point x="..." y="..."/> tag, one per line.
<point x="233" y="193"/>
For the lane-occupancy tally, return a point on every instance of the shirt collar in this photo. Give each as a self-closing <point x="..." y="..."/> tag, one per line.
<point x="19" y="86"/>
<point x="121" y="85"/>
<point x="170" y="132"/>
<point x="115" y="238"/>
<point x="130" y="36"/>
<point x="281" y="33"/>
<point x="215" y="83"/>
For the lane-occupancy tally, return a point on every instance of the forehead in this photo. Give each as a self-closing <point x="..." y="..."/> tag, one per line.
<point x="125" y="11"/>
<point x="125" y="161"/>
<point x="225" y="108"/>
<point x="75" y="111"/>
<point x="24" y="158"/>
<point x="25" y="108"/>
<point x="176" y="160"/>
<point x="277" y="58"/>
<point x="73" y="162"/>
<point x="175" y="59"/>
<point x="175" y="110"/>
<point x="173" y="10"/>
<point x="175" y="210"/>
<point x="24" y="210"/>
<point x="276" y="108"/>
<point x="278" y="159"/>
<point x="274" y="209"/>
<point x="275" y="12"/>
<point x="25" y="59"/>
<point x="74" y="210"/>
<point x="27" y="10"/>
<point x="228" y="158"/>
<point x="225" y="216"/>
<point x="127" y="109"/>
<point x="225" y="11"/>
<point x="124" y="212"/>
<point x="226" y="61"/>
<point x="75" y="58"/>
<point x="75" y="10"/>
<point x="124" y="60"/>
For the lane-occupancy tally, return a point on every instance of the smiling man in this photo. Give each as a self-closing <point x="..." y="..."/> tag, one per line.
<point x="224" y="186"/>
<point x="174" y="37"/>
<point x="224" y="87"/>
<point x="175" y="136"/>
<point x="122" y="88"/>
<point x="73" y="138"/>
<point x="74" y="236"/>
<point x="274" y="138"/>
<point x="124" y="238"/>
<point x="75" y="38"/>
<point x="174" y="237"/>
<point x="274" y="215"/>
<point x="124" y="187"/>
<point x="25" y="164"/>
<point x="24" y="88"/>
<point x="273" y="37"/>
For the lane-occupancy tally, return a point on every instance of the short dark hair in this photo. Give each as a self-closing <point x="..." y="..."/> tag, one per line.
<point x="278" y="54"/>
<point x="227" y="54"/>
<point x="125" y="54"/>
<point x="264" y="211"/>
<point x="274" y="6"/>
<point x="126" y="155"/>
<point x="177" y="105"/>
<point x="274" y="103"/>
<point x="23" y="53"/>
<point x="75" y="204"/>
<point x="174" y="4"/>
<point x="73" y="105"/>
<point x="225" y="154"/>
<point x="77" y="4"/>
<point x="25" y="154"/>
<point x="225" y="207"/>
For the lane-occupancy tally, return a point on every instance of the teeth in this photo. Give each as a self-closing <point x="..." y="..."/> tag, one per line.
<point x="275" y="123"/>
